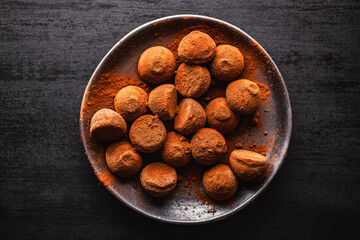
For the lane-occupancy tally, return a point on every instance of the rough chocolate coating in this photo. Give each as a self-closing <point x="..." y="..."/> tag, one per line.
<point x="227" y="64"/>
<point x="176" y="150"/>
<point x="190" y="118"/>
<point x="122" y="159"/>
<point x="147" y="134"/>
<point x="247" y="165"/>
<point x="220" y="117"/>
<point x="196" y="48"/>
<point x="220" y="182"/>
<point x="131" y="102"/>
<point x="163" y="101"/>
<point x="192" y="80"/>
<point x="107" y="125"/>
<point x="156" y="65"/>
<point x="208" y="146"/>
<point x="158" y="179"/>
<point x="243" y="96"/>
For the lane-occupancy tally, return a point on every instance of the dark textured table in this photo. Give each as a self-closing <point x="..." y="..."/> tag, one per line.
<point x="48" y="53"/>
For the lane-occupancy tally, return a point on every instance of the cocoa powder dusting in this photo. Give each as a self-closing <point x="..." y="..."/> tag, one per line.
<point x="189" y="179"/>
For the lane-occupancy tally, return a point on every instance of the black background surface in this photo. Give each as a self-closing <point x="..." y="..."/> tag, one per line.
<point x="49" y="51"/>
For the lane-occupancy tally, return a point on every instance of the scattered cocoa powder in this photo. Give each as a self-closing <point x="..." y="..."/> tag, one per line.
<point x="115" y="80"/>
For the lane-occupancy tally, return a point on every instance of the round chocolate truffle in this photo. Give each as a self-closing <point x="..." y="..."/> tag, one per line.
<point x="192" y="80"/>
<point x="196" y="48"/>
<point x="220" y="117"/>
<point x="158" y="179"/>
<point x="208" y="146"/>
<point x="107" y="125"/>
<point x="243" y="96"/>
<point x="131" y="102"/>
<point x="227" y="64"/>
<point x="190" y="118"/>
<point x="220" y="182"/>
<point x="176" y="150"/>
<point x="122" y="159"/>
<point x="156" y="65"/>
<point x="247" y="165"/>
<point x="147" y="134"/>
<point x="163" y="101"/>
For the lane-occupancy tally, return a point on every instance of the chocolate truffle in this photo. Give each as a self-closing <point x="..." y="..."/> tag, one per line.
<point x="247" y="165"/>
<point x="220" y="182"/>
<point x="158" y="179"/>
<point x="192" y="80"/>
<point x="163" y="101"/>
<point x="243" y="96"/>
<point x="176" y="150"/>
<point x="107" y="125"/>
<point x="156" y="65"/>
<point x="220" y="117"/>
<point x="208" y="146"/>
<point x="190" y="118"/>
<point x="227" y="64"/>
<point x="147" y="134"/>
<point x="131" y="102"/>
<point x="122" y="159"/>
<point x="196" y="48"/>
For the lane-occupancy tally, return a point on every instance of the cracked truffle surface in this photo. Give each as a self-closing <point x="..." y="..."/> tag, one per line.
<point x="208" y="146"/>
<point x="122" y="159"/>
<point x="176" y="150"/>
<point x="107" y="125"/>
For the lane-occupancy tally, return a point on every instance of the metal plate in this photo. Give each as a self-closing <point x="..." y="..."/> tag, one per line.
<point x="187" y="205"/>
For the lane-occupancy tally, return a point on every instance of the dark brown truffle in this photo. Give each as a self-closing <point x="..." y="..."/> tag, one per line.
<point x="156" y="65"/>
<point x="176" y="150"/>
<point x="220" y="117"/>
<point x="208" y="146"/>
<point x="107" y="125"/>
<point x="190" y="118"/>
<point x="247" y="165"/>
<point x="158" y="179"/>
<point x="147" y="134"/>
<point x="220" y="182"/>
<point x="122" y="159"/>
<point x="196" y="48"/>
<point x="131" y="102"/>
<point x="192" y="80"/>
<point x="227" y="64"/>
<point x="163" y="101"/>
<point x="243" y="96"/>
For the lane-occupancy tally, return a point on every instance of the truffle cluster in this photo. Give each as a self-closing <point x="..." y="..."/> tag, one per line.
<point x="197" y="129"/>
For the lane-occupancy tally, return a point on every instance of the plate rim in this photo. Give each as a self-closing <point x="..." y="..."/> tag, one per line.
<point x="285" y="146"/>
